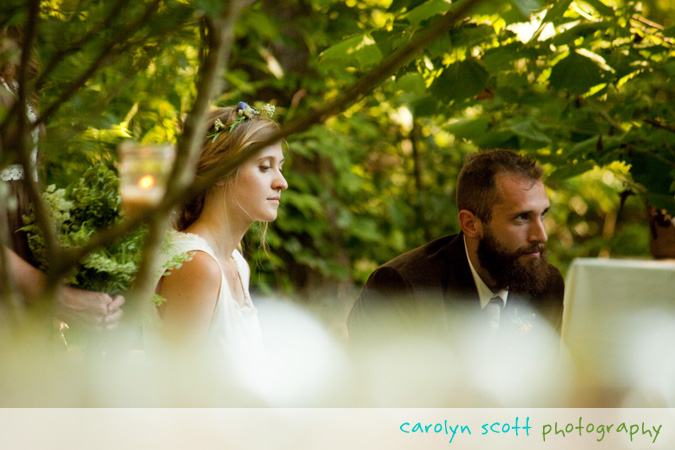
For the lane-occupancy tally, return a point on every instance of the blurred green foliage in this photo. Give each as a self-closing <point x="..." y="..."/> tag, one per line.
<point x="584" y="86"/>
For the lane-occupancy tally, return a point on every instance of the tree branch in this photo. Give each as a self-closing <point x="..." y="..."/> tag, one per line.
<point x="60" y="55"/>
<point x="111" y="50"/>
<point x="659" y="124"/>
<point x="24" y="147"/>
<point x="603" y="113"/>
<point x="189" y="142"/>
<point x="24" y="130"/>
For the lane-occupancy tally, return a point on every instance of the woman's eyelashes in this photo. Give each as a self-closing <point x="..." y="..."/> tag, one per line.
<point x="266" y="167"/>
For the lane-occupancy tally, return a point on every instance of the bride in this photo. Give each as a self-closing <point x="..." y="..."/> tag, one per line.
<point x="208" y="306"/>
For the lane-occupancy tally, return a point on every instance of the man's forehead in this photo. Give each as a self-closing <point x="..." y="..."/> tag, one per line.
<point x="515" y="191"/>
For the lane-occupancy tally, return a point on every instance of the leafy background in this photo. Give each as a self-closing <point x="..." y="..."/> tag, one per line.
<point x="584" y="86"/>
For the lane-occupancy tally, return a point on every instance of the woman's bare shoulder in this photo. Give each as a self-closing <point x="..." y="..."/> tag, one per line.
<point x="198" y="277"/>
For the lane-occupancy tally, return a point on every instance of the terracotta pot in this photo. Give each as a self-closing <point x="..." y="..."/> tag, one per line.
<point x="662" y="239"/>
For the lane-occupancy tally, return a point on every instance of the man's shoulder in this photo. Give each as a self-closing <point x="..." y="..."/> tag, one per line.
<point x="427" y="254"/>
<point x="555" y="278"/>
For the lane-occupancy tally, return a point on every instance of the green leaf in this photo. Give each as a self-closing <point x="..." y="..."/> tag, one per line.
<point x="600" y="7"/>
<point x="557" y="10"/>
<point x="262" y="24"/>
<point x="527" y="7"/>
<point x="210" y="7"/>
<point x="647" y="170"/>
<point x="669" y="68"/>
<point x="662" y="201"/>
<point x="426" y="10"/>
<point x="581" y="149"/>
<point x="397" y="5"/>
<point x="412" y="83"/>
<point x="497" y="139"/>
<point x="528" y="129"/>
<point x="427" y="106"/>
<point x="468" y="128"/>
<point x="308" y="205"/>
<point x="500" y="59"/>
<point x="360" y="51"/>
<point x="580" y="30"/>
<point x="570" y="171"/>
<point x="461" y="80"/>
<point x="576" y="73"/>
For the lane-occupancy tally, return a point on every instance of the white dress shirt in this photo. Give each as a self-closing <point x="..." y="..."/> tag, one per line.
<point x="485" y="294"/>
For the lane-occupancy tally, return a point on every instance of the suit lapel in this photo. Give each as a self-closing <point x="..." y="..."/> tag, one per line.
<point x="459" y="289"/>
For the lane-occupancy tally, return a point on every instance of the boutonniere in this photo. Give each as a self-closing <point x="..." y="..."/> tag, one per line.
<point x="523" y="324"/>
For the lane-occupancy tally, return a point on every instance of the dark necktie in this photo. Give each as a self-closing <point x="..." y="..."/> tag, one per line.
<point x="494" y="310"/>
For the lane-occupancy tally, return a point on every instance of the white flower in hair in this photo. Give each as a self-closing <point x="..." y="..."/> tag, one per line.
<point x="268" y="111"/>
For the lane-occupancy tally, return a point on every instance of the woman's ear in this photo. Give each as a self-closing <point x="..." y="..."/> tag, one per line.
<point x="471" y="226"/>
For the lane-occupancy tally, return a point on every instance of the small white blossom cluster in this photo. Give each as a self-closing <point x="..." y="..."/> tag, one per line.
<point x="58" y="206"/>
<point x="79" y="212"/>
<point x="268" y="111"/>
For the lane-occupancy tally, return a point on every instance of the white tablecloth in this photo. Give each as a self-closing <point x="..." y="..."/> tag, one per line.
<point x="619" y="319"/>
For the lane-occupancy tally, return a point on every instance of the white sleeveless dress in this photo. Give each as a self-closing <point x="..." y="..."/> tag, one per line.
<point x="234" y="332"/>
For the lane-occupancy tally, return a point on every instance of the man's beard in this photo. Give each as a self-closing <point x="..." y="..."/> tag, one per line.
<point x="508" y="269"/>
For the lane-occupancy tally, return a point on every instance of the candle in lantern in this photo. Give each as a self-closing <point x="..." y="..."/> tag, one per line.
<point x="143" y="174"/>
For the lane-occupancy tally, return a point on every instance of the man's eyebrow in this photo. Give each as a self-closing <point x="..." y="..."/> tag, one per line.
<point x="530" y="211"/>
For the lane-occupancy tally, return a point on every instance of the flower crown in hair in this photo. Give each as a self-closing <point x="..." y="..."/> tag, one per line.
<point x="244" y="112"/>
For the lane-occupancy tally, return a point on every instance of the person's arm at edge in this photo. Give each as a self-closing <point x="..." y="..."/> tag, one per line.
<point x="74" y="304"/>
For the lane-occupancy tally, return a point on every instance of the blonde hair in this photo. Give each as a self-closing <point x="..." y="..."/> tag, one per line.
<point x="219" y="145"/>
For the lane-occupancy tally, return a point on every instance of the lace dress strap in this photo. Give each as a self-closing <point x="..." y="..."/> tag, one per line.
<point x="15" y="172"/>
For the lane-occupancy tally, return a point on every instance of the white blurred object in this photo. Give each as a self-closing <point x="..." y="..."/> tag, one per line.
<point x="307" y="365"/>
<point x="468" y="367"/>
<point x="649" y="358"/>
<point x="603" y="299"/>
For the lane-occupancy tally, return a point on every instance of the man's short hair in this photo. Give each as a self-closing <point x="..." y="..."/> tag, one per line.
<point x="476" y="185"/>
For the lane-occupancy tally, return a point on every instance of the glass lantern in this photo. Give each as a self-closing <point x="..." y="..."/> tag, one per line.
<point x="144" y="171"/>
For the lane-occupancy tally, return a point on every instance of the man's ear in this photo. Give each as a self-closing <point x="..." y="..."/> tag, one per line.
<point x="472" y="227"/>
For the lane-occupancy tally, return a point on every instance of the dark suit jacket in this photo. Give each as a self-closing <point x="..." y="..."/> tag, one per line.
<point x="431" y="285"/>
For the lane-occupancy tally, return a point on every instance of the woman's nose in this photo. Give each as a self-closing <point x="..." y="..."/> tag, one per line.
<point x="280" y="182"/>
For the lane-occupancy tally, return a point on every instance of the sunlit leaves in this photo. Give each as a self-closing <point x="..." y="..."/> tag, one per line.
<point x="368" y="185"/>
<point x="425" y="11"/>
<point x="359" y="51"/>
<point x="556" y="11"/>
<point x="584" y="29"/>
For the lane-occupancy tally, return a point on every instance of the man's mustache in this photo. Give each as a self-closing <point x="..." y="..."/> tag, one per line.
<point x="537" y="248"/>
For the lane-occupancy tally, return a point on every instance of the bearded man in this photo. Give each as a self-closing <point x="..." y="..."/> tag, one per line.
<point x="494" y="269"/>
